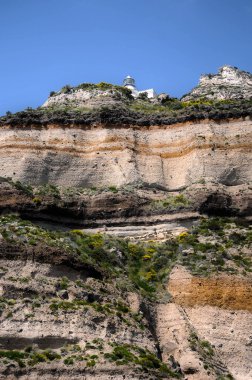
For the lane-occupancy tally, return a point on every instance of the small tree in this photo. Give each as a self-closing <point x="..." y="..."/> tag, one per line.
<point x="143" y="96"/>
<point x="66" y="89"/>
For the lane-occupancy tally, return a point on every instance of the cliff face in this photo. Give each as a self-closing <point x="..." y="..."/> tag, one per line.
<point x="136" y="262"/>
<point x="229" y="83"/>
<point x="215" y="310"/>
<point x="75" y="304"/>
<point x="173" y="156"/>
<point x="90" y="97"/>
<point x="69" y="320"/>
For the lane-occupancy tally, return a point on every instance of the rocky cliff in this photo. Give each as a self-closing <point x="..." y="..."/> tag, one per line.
<point x="173" y="156"/>
<point x="89" y="95"/>
<point x="125" y="236"/>
<point x="229" y="83"/>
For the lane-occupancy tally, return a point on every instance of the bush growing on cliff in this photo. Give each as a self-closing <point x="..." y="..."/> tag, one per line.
<point x="140" y="113"/>
<point x="102" y="86"/>
<point x="126" y="354"/>
<point x="26" y="189"/>
<point x="172" y="202"/>
<point x="29" y="357"/>
<point x="144" y="266"/>
<point x="48" y="190"/>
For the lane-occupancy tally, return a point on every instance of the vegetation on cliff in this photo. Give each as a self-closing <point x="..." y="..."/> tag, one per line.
<point x="214" y="245"/>
<point x="115" y="268"/>
<point x="93" y="353"/>
<point x="102" y="86"/>
<point x="139" y="113"/>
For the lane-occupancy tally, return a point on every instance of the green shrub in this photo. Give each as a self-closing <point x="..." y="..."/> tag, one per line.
<point x="64" y="283"/>
<point x="69" y="361"/>
<point x="26" y="189"/>
<point x="37" y="201"/>
<point x="91" y="363"/>
<point x="113" y="189"/>
<point x="131" y="354"/>
<point x="170" y="203"/>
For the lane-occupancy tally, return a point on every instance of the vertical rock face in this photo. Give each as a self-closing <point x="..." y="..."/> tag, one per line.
<point x="173" y="156"/>
<point x="154" y="281"/>
<point x="219" y="309"/>
<point x="229" y="83"/>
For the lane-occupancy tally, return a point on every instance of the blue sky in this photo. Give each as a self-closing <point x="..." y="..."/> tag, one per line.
<point x="165" y="44"/>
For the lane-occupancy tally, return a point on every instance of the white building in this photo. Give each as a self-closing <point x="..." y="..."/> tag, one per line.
<point x="130" y="83"/>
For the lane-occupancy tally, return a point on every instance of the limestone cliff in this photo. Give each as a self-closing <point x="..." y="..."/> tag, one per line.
<point x="89" y="95"/>
<point x="125" y="235"/>
<point x="173" y="156"/>
<point x="229" y="83"/>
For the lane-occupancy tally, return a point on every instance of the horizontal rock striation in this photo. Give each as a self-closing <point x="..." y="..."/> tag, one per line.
<point x="218" y="308"/>
<point x="154" y="281"/>
<point x="172" y="156"/>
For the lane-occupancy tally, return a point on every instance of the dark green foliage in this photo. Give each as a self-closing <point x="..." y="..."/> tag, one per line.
<point x="113" y="189"/>
<point x="38" y="357"/>
<point x="171" y="203"/>
<point x="91" y="363"/>
<point x="48" y="190"/>
<point x="138" y="113"/>
<point x="208" y="257"/>
<point x="66" y="89"/>
<point x="69" y="361"/>
<point x="29" y="357"/>
<point x="64" y="282"/>
<point x="145" y="265"/>
<point x="143" y="96"/>
<point x="148" y="362"/>
<point x="207" y="355"/>
<point x="13" y="355"/>
<point x="103" y="86"/>
<point x="26" y="189"/>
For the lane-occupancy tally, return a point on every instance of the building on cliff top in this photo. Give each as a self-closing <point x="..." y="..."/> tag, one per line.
<point x="130" y="83"/>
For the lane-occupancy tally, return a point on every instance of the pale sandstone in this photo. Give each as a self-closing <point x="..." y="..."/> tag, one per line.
<point x="174" y="156"/>
<point x="218" y="309"/>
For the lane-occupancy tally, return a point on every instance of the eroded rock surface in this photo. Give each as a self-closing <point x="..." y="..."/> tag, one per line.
<point x="216" y="310"/>
<point x="136" y="262"/>
<point x="229" y="83"/>
<point x="173" y="156"/>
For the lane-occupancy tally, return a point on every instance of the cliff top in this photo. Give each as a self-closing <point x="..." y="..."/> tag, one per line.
<point x="227" y="94"/>
<point x="228" y="83"/>
<point x="138" y="113"/>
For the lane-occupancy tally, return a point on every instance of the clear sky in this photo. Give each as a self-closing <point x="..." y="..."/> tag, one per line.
<point x="164" y="44"/>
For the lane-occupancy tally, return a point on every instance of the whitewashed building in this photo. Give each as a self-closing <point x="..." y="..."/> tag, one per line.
<point x="130" y="83"/>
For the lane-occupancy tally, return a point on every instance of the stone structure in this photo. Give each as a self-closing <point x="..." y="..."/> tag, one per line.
<point x="130" y="83"/>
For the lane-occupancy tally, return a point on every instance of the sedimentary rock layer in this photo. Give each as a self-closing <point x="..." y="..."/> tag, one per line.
<point x="219" y="309"/>
<point x="225" y="291"/>
<point x="173" y="156"/>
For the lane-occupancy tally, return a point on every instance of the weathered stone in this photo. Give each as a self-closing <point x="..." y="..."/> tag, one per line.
<point x="229" y="83"/>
